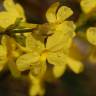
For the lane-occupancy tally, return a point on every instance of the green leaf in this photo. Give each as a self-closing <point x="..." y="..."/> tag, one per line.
<point x="6" y="19"/>
<point x="14" y="26"/>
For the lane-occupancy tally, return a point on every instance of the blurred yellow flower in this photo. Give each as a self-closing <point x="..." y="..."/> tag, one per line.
<point x="88" y="6"/>
<point x="11" y="13"/>
<point x="91" y="35"/>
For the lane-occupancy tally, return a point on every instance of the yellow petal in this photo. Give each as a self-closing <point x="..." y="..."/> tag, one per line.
<point x="38" y="69"/>
<point x="74" y="65"/>
<point x="35" y="87"/>
<point x="25" y="61"/>
<point x="51" y="13"/>
<point x="34" y="43"/>
<point x="58" y="60"/>
<point x="88" y="5"/>
<point x="66" y="26"/>
<point x="63" y="13"/>
<point x="6" y="19"/>
<point x="20" y="11"/>
<point x="62" y="37"/>
<point x="55" y="41"/>
<point x="9" y="5"/>
<point x="58" y="71"/>
<point x="91" y="35"/>
<point x="10" y="8"/>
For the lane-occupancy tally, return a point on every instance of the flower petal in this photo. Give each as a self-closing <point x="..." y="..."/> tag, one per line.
<point x="38" y="69"/>
<point x="55" y="42"/>
<point x="25" y="61"/>
<point x="34" y="43"/>
<point x="36" y="86"/>
<point x="91" y="35"/>
<point x="9" y="5"/>
<point x="75" y="66"/>
<point x="51" y="13"/>
<point x="63" y="13"/>
<point x="62" y="37"/>
<point x="92" y="56"/>
<point x="20" y="11"/>
<point x="58" y="71"/>
<point x="6" y="19"/>
<point x="58" y="60"/>
<point x="88" y="5"/>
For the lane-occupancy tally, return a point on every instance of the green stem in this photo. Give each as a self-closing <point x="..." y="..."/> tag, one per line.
<point x="9" y="32"/>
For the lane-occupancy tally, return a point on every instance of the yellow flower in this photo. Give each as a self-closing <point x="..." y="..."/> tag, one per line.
<point x="31" y="58"/>
<point x="55" y="51"/>
<point x="11" y="13"/>
<point x="55" y="15"/>
<point x="91" y="35"/>
<point x="88" y="6"/>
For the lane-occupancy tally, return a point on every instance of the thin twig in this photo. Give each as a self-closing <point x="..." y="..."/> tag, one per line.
<point x="9" y="32"/>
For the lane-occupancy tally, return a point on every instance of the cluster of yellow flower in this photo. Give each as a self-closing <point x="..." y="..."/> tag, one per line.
<point x="46" y="44"/>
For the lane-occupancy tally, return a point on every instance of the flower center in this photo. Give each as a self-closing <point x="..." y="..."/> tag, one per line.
<point x="44" y="55"/>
